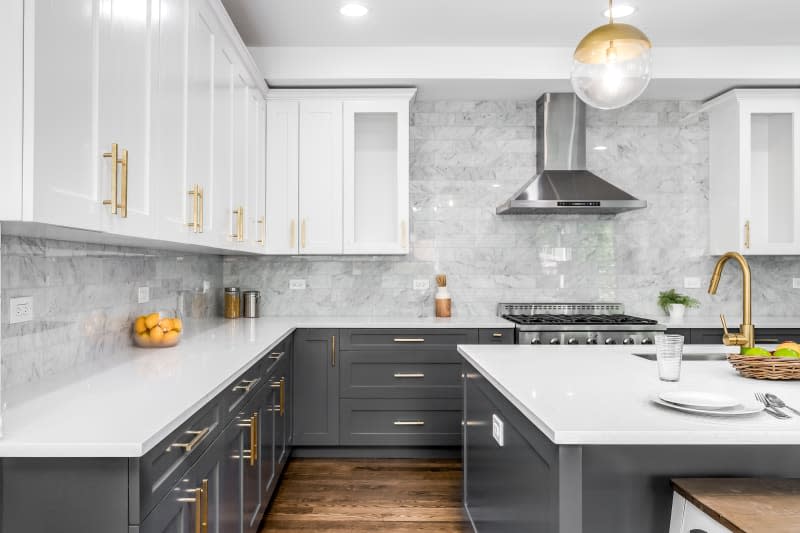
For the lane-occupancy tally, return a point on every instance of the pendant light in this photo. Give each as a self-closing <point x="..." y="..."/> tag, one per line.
<point x="611" y="66"/>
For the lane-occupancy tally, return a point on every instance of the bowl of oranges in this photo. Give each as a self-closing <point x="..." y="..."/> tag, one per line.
<point x="157" y="330"/>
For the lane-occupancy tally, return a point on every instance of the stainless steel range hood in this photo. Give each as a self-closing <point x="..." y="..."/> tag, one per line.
<point x="562" y="184"/>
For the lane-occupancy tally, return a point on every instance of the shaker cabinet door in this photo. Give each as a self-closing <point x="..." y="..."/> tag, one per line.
<point x="316" y="388"/>
<point x="282" y="147"/>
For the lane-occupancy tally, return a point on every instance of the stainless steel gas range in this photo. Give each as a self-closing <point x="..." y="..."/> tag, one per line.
<point x="577" y="323"/>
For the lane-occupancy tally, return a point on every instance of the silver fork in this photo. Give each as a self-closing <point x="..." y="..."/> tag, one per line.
<point x="768" y="407"/>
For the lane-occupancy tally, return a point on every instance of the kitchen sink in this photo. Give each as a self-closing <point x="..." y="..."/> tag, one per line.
<point x="689" y="356"/>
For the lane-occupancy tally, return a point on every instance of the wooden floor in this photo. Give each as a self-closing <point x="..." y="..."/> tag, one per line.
<point x="368" y="495"/>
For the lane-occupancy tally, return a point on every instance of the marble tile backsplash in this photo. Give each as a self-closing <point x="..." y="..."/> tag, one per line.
<point x="469" y="156"/>
<point x="85" y="296"/>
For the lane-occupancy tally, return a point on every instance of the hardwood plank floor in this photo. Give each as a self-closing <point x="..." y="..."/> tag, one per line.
<point x="368" y="495"/>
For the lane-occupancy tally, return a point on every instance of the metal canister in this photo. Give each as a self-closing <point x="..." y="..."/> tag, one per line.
<point x="233" y="302"/>
<point x="252" y="299"/>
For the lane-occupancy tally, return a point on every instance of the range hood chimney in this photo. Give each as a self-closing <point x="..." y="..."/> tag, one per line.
<point x="562" y="184"/>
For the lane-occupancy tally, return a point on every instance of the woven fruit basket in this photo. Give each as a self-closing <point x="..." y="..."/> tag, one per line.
<point x="777" y="368"/>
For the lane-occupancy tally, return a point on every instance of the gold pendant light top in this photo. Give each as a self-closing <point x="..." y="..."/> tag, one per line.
<point x="623" y="40"/>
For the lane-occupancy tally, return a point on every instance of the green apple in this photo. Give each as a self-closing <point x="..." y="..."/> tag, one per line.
<point x="787" y="353"/>
<point x="755" y="351"/>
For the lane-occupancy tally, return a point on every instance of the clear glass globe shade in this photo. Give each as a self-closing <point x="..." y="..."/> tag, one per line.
<point x="611" y="84"/>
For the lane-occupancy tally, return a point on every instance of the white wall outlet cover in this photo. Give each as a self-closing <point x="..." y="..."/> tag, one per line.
<point x="297" y="284"/>
<point x="497" y="430"/>
<point x="421" y="284"/>
<point x="144" y="295"/>
<point x="691" y="283"/>
<point x="796" y="283"/>
<point x="20" y="310"/>
<point x="206" y="286"/>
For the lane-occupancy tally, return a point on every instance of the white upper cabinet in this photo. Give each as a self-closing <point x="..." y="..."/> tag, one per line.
<point x="256" y="184"/>
<point x="337" y="171"/>
<point x="376" y="176"/>
<point x="755" y="172"/>
<point x="282" y="176"/>
<point x="320" y="166"/>
<point x="11" y="36"/>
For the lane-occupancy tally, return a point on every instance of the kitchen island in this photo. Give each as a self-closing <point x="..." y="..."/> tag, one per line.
<point x="584" y="448"/>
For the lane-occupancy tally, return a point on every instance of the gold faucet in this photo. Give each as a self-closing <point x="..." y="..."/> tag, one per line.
<point x="745" y="337"/>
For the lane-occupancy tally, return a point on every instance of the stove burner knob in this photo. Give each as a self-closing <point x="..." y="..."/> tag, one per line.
<point x="611" y="341"/>
<point x="647" y="340"/>
<point x="536" y="341"/>
<point x="591" y="340"/>
<point x="572" y="340"/>
<point x="555" y="341"/>
<point x="629" y="340"/>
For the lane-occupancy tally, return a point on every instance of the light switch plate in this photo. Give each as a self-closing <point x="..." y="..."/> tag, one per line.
<point x="21" y="310"/>
<point x="144" y="295"/>
<point x="497" y="430"/>
<point x="691" y="283"/>
<point x="796" y="283"/>
<point x="297" y="284"/>
<point x="421" y="284"/>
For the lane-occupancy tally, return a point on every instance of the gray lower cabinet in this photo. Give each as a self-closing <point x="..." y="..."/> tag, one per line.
<point x="316" y="387"/>
<point x="403" y="422"/>
<point x="714" y="335"/>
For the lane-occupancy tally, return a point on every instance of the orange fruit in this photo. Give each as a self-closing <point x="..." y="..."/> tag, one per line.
<point x="151" y="320"/>
<point x="143" y="338"/>
<point x="139" y="326"/>
<point x="165" y="324"/>
<point x="177" y="324"/>
<point x="170" y="338"/>
<point x="156" y="334"/>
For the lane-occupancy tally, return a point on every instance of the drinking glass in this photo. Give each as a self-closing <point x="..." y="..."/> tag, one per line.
<point x="669" y="352"/>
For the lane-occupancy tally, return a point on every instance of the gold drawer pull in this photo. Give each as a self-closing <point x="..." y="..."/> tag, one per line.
<point x="409" y="422"/>
<point x="409" y="375"/>
<point x="245" y="385"/>
<point x="199" y="435"/>
<point x="409" y="340"/>
<point x="496" y="335"/>
<point x="769" y="341"/>
<point x="276" y="355"/>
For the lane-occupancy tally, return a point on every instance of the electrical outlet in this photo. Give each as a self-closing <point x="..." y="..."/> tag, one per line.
<point x="421" y="284"/>
<point x="21" y="310"/>
<point x="497" y="430"/>
<point x="796" y="283"/>
<point x="691" y="283"/>
<point x="144" y="295"/>
<point x="206" y="286"/>
<point x="297" y="284"/>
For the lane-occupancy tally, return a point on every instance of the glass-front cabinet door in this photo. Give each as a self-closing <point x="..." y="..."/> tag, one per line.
<point x="771" y="171"/>
<point x="376" y="169"/>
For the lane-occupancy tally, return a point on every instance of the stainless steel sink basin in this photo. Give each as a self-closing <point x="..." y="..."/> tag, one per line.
<point x="689" y="356"/>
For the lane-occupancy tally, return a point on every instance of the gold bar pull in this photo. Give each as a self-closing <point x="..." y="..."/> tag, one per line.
<point x="114" y="155"/>
<point x="195" y="223"/>
<point x="283" y="396"/>
<point x="253" y="439"/>
<point x="409" y="375"/>
<point x="409" y="422"/>
<point x="275" y="355"/>
<point x="333" y="350"/>
<point x="409" y="340"/>
<point x="123" y="205"/>
<point x="189" y="446"/>
<point x="198" y="505"/>
<point x="303" y="234"/>
<point x="292" y="236"/>
<point x="239" y="235"/>
<point x="403" y="234"/>
<point x="262" y="231"/>
<point x="497" y="335"/>
<point x="204" y="503"/>
<point x="202" y="207"/>
<point x="248" y="384"/>
<point x="747" y="234"/>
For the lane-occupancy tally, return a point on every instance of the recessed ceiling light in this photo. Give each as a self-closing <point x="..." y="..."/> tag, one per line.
<point x="353" y="10"/>
<point x="620" y="11"/>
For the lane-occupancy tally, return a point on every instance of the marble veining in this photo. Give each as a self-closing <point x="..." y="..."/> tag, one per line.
<point x="469" y="156"/>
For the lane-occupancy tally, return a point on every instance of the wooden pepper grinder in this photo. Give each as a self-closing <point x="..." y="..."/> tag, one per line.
<point x="443" y="301"/>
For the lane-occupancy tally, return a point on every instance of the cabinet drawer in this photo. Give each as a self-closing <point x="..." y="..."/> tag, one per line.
<point x="388" y="374"/>
<point x="279" y="354"/>
<point x="496" y="336"/>
<point x="164" y="465"/>
<point x="412" y="422"/>
<point x="406" y="339"/>
<point x="242" y="389"/>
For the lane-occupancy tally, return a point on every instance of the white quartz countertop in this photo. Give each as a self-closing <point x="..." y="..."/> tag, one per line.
<point x="712" y="322"/>
<point x="586" y="395"/>
<point x="125" y="404"/>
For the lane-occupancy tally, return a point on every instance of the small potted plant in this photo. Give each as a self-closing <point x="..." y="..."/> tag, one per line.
<point x="674" y="304"/>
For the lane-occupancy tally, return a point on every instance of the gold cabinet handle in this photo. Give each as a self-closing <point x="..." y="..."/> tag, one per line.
<point x="409" y="340"/>
<point x="292" y="230"/>
<point x="333" y="350"/>
<point x="199" y="435"/>
<point x="252" y="425"/>
<point x="409" y="375"/>
<point x="303" y="234"/>
<point x="245" y="385"/>
<point x="262" y="231"/>
<point x="239" y="235"/>
<point x="200" y="501"/>
<point x="275" y="355"/>
<point x="194" y="192"/>
<point x="281" y="386"/>
<point x="409" y="422"/>
<point x="497" y="335"/>
<point x="202" y="207"/>
<point x="747" y="234"/>
<point x="204" y="501"/>
<point x="115" y="161"/>
<point x="403" y="234"/>
<point x="123" y="205"/>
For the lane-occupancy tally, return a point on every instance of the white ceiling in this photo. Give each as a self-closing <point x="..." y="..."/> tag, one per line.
<point x="511" y="22"/>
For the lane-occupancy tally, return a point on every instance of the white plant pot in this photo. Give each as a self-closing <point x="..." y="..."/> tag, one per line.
<point x="676" y="312"/>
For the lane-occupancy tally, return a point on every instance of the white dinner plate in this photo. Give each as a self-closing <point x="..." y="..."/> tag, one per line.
<point x="699" y="400"/>
<point x="737" y="410"/>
